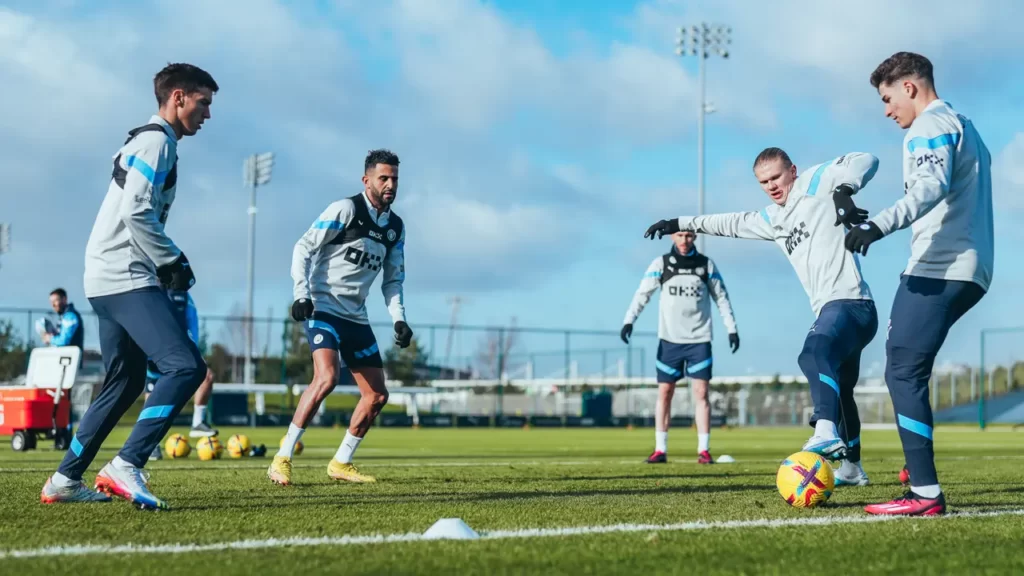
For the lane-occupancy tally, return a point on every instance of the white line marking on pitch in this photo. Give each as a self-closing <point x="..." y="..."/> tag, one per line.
<point x="247" y="464"/>
<point x="699" y="525"/>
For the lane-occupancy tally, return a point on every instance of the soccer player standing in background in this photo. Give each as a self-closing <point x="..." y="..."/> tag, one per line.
<point x="804" y="221"/>
<point x="947" y="202"/>
<point x="686" y="279"/>
<point x="333" y="266"/>
<point x="127" y="260"/>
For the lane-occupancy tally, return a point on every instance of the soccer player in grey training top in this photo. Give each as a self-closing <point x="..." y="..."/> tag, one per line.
<point x="688" y="280"/>
<point x="333" y="266"/>
<point x="804" y="221"/>
<point x="947" y="202"/>
<point x="129" y="262"/>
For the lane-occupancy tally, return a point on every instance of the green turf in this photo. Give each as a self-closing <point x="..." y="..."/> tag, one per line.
<point x="514" y="479"/>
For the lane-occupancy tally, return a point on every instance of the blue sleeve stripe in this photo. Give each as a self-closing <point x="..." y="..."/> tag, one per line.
<point x="328" y="225"/>
<point x="654" y="274"/>
<point x="932" y="143"/>
<point x="764" y="214"/>
<point x="400" y="245"/>
<point x="155" y="178"/>
<point x="812" y="188"/>
<point x="156" y="412"/>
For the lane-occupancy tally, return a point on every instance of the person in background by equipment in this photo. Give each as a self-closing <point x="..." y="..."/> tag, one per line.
<point x="70" y="332"/>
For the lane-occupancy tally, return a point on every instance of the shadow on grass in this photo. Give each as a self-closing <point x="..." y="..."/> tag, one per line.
<point x="320" y="500"/>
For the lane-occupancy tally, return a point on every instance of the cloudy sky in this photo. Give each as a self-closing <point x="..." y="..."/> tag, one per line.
<point x="537" y="142"/>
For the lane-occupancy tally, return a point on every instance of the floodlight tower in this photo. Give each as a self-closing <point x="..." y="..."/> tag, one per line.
<point x="702" y="41"/>
<point x="256" y="172"/>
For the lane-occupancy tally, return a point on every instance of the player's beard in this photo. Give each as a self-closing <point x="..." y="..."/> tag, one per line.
<point x="378" y="197"/>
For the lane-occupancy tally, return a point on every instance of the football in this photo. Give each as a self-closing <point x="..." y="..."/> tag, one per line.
<point x="239" y="446"/>
<point x="209" y="448"/>
<point x="177" y="446"/>
<point x="805" y="480"/>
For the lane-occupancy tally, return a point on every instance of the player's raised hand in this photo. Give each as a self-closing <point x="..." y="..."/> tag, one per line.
<point x="302" y="309"/>
<point x="847" y="212"/>
<point x="734" y="342"/>
<point x="626" y="333"/>
<point x="662" y="228"/>
<point x="858" y="239"/>
<point x="403" y="334"/>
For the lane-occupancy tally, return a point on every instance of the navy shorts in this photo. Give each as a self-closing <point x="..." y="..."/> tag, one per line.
<point x="355" y="342"/>
<point x="677" y="361"/>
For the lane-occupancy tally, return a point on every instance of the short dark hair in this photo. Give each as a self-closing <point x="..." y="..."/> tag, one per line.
<point x="185" y="77"/>
<point x="773" y="153"/>
<point x="901" y="65"/>
<point x="60" y="292"/>
<point x="380" y="156"/>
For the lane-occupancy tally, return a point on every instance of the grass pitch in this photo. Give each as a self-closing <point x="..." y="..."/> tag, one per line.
<point x="503" y="482"/>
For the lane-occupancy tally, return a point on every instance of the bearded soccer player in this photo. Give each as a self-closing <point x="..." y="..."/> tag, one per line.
<point x="806" y="220"/>
<point x="333" y="266"/>
<point x="947" y="203"/>
<point x="688" y="280"/>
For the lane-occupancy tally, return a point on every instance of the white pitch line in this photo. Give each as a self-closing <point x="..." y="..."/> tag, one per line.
<point x="699" y="525"/>
<point x="245" y="465"/>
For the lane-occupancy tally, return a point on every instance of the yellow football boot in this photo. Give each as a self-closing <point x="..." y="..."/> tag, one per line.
<point x="280" y="471"/>
<point x="347" y="472"/>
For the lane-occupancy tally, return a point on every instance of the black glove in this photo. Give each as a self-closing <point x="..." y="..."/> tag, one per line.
<point x="858" y="239"/>
<point x="302" y="309"/>
<point x="734" y="342"/>
<point x="403" y="334"/>
<point x="626" y="333"/>
<point x="177" y="275"/>
<point x="662" y="228"/>
<point x="846" y="211"/>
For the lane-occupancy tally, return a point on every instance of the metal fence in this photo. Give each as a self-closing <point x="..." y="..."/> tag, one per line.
<point x="477" y="352"/>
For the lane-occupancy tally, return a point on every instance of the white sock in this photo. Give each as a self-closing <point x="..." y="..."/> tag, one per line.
<point x="703" y="442"/>
<point x="347" y="448"/>
<point x="661" y="441"/>
<point x="932" y="491"/>
<point x="61" y="481"/>
<point x="287" y="448"/>
<point x="826" y="429"/>
<point x="199" y="416"/>
<point x="121" y="463"/>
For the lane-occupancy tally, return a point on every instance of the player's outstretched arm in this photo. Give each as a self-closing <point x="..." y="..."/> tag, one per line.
<point x="716" y="285"/>
<point x="329" y="225"/>
<point x="648" y="285"/>
<point x="747" y="225"/>
<point x="147" y="159"/>
<point x="394" y="293"/>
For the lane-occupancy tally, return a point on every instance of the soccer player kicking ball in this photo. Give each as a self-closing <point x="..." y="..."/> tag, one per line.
<point x="333" y="266"/>
<point x="804" y="221"/>
<point x="686" y="279"/>
<point x="129" y="261"/>
<point x="947" y="202"/>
